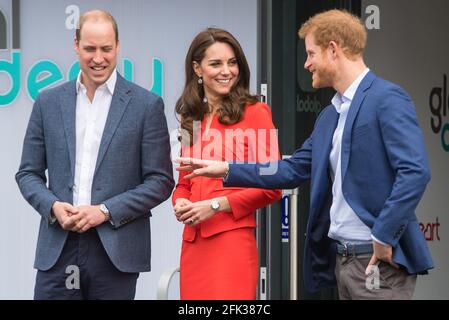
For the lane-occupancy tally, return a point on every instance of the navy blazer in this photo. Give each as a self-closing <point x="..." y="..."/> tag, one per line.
<point x="133" y="173"/>
<point x="384" y="174"/>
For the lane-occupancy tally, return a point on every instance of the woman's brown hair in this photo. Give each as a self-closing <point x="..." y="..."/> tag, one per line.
<point x="191" y="106"/>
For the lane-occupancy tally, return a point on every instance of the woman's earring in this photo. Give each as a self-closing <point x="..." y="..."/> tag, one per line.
<point x="200" y="81"/>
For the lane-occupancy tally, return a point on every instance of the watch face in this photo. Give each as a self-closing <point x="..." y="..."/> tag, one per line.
<point x="215" y="204"/>
<point x="104" y="209"/>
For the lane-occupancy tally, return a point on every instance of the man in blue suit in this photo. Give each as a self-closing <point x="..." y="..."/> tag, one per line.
<point x="368" y="169"/>
<point x="105" y="146"/>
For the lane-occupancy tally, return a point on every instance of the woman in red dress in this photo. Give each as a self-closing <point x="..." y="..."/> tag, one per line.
<point x="220" y="120"/>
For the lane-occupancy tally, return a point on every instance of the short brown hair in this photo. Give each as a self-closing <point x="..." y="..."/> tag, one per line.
<point x="346" y="29"/>
<point x="96" y="15"/>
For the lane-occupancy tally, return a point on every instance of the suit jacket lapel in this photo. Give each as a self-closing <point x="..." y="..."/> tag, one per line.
<point x="119" y="102"/>
<point x="68" y="112"/>
<point x="328" y="135"/>
<point x="352" y="115"/>
<point x="322" y="145"/>
<point x="326" y="142"/>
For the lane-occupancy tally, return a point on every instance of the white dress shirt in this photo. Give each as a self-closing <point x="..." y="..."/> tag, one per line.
<point x="345" y="224"/>
<point x="90" y="122"/>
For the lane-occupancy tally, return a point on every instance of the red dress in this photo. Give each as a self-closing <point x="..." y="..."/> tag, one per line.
<point x="219" y="258"/>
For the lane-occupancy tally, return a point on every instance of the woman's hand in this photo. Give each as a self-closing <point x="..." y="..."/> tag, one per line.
<point x="197" y="212"/>
<point x="180" y="202"/>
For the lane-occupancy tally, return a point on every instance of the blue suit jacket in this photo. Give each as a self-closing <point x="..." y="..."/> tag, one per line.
<point x="133" y="172"/>
<point x="384" y="175"/>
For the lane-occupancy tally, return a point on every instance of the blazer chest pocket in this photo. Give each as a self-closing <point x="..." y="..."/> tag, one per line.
<point x="128" y="127"/>
<point x="126" y="136"/>
<point x="127" y="131"/>
<point x="361" y="130"/>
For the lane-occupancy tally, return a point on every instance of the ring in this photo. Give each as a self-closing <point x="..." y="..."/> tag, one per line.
<point x="191" y="221"/>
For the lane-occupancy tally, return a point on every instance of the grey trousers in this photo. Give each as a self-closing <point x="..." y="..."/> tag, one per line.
<point x="387" y="283"/>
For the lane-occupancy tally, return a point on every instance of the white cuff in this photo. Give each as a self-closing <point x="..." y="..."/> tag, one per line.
<point x="377" y="240"/>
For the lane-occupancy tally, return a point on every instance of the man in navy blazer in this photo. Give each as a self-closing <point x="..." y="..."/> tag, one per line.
<point x="105" y="146"/>
<point x="368" y="169"/>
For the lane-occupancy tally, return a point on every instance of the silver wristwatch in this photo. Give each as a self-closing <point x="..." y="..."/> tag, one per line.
<point x="215" y="205"/>
<point x="105" y="211"/>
